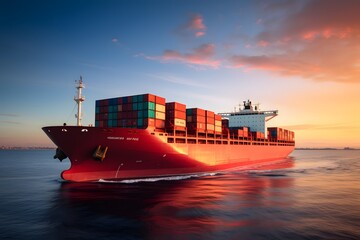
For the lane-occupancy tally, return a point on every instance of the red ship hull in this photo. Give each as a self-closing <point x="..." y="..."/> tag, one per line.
<point x="140" y="153"/>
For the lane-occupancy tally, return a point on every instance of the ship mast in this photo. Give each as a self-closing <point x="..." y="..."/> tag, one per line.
<point x="79" y="99"/>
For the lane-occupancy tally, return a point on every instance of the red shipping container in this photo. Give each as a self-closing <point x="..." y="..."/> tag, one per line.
<point x="195" y="111"/>
<point x="225" y="123"/>
<point x="196" y="126"/>
<point x="175" y="106"/>
<point x="218" y="117"/>
<point x="210" y="120"/>
<point x="150" y="122"/>
<point x="103" y="109"/>
<point x="175" y="114"/>
<point x="209" y="114"/>
<point x="149" y="97"/>
<point x="159" y="123"/>
<point x="160" y="100"/>
<point x="256" y="135"/>
<point x="104" y="102"/>
<point x="195" y="119"/>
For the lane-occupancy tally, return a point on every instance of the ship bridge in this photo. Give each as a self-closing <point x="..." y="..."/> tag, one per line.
<point x="249" y="115"/>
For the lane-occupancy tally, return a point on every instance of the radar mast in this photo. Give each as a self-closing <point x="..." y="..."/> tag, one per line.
<point x="79" y="99"/>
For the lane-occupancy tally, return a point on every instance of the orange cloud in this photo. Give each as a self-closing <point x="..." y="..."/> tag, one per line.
<point x="318" y="41"/>
<point x="201" y="56"/>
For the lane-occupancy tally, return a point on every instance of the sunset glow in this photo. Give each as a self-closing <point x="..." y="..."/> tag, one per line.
<point x="300" y="57"/>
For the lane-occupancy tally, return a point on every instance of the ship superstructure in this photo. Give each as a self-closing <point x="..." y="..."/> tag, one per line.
<point x="251" y="117"/>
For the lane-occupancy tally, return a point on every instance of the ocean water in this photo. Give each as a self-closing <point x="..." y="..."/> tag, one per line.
<point x="313" y="194"/>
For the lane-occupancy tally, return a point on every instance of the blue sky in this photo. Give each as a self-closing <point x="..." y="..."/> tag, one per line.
<point x="202" y="53"/>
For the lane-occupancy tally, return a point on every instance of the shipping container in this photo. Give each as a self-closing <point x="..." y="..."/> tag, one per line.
<point x="175" y="114"/>
<point x="225" y="123"/>
<point x="160" y="100"/>
<point x="149" y="97"/>
<point x="209" y="114"/>
<point x="196" y="126"/>
<point x="218" y="129"/>
<point x="159" y="123"/>
<point x="257" y="135"/>
<point x="172" y="122"/>
<point x="160" y="107"/>
<point x="218" y="123"/>
<point x="195" y="112"/>
<point x="175" y="106"/>
<point x="210" y="127"/>
<point x="195" y="119"/>
<point x="160" y="115"/>
<point x="276" y="133"/>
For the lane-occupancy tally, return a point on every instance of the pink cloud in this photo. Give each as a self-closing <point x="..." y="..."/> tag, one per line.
<point x="318" y="40"/>
<point x="196" y="25"/>
<point x="201" y="56"/>
<point x="263" y="43"/>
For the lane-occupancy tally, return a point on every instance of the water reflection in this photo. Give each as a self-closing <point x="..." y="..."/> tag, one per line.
<point x="237" y="205"/>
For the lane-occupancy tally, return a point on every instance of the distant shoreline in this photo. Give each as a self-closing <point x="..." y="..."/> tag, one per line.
<point x="26" y="148"/>
<point x="51" y="148"/>
<point x="345" y="148"/>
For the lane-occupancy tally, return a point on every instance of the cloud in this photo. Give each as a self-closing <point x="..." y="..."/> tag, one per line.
<point x="8" y="115"/>
<point x="319" y="40"/>
<point x="195" y="25"/>
<point x="321" y="127"/>
<point x="200" y="56"/>
<point x="9" y="122"/>
<point x="114" y="40"/>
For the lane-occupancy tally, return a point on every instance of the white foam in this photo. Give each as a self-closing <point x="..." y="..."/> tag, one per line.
<point x="155" y="179"/>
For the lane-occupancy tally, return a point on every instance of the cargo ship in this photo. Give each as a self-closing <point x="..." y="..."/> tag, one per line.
<point x="143" y="136"/>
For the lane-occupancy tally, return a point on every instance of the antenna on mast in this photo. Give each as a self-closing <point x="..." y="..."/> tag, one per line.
<point x="79" y="99"/>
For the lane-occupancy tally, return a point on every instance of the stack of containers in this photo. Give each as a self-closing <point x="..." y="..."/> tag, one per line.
<point x="195" y="119"/>
<point x="138" y="111"/>
<point x="292" y="136"/>
<point x="276" y="133"/>
<point x="240" y="131"/>
<point x="210" y="121"/>
<point x="175" y="116"/>
<point x="257" y="135"/>
<point x="218" y="125"/>
<point x="286" y="135"/>
<point x="225" y="126"/>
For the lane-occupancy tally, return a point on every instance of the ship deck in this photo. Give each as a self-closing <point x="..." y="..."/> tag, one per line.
<point x="179" y="136"/>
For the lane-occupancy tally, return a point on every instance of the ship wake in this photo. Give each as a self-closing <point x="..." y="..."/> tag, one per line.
<point x="156" y="179"/>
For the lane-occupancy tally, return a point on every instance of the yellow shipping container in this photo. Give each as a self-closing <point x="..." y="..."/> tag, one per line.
<point x="160" y="108"/>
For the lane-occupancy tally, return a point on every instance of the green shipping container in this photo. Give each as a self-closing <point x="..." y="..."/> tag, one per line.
<point x="134" y="106"/>
<point x="147" y="114"/>
<point x="140" y="122"/>
<point x="149" y="105"/>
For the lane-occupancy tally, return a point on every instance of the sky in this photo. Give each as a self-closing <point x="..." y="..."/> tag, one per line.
<point x="299" y="57"/>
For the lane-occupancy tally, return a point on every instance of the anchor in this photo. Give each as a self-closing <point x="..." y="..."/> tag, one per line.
<point x="100" y="153"/>
<point x="59" y="154"/>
